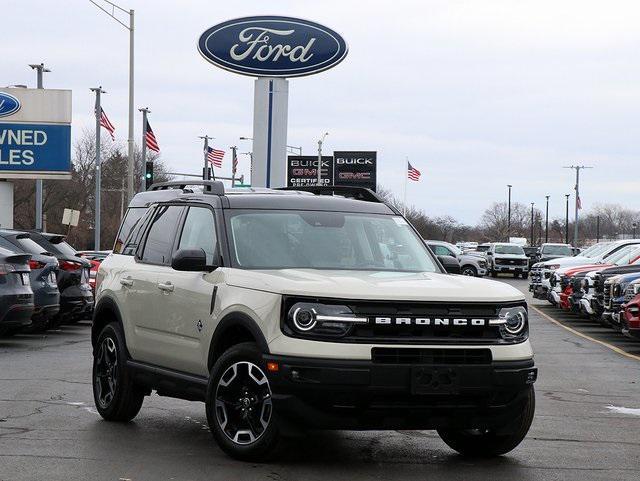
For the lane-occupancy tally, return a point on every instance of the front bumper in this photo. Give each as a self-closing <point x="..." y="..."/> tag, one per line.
<point x="510" y="268"/>
<point x="349" y="394"/>
<point x="76" y="303"/>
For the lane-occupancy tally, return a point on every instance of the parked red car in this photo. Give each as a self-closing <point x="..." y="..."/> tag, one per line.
<point x="630" y="318"/>
<point x="96" y="258"/>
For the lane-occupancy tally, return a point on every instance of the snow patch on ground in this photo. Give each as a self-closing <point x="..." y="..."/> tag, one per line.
<point x="623" y="410"/>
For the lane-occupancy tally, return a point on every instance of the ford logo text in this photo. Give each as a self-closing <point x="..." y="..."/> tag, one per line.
<point x="271" y="46"/>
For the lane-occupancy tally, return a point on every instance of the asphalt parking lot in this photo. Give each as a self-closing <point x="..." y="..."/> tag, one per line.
<point x="587" y="425"/>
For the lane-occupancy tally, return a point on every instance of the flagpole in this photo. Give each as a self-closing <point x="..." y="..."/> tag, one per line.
<point x="406" y="174"/>
<point x="145" y="111"/>
<point x="205" y="170"/>
<point x="98" y="175"/>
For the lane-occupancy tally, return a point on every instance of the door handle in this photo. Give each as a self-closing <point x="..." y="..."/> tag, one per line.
<point x="167" y="287"/>
<point x="127" y="282"/>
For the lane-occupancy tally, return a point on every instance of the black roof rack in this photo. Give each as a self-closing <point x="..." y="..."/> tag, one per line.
<point x="357" y="193"/>
<point x="213" y="187"/>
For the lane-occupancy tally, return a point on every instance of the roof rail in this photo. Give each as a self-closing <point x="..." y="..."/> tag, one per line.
<point x="357" y="193"/>
<point x="213" y="187"/>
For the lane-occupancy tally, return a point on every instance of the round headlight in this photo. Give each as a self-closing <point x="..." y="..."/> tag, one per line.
<point x="304" y="318"/>
<point x="515" y="321"/>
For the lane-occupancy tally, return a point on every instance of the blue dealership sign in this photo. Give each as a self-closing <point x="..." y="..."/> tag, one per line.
<point x="9" y="105"/>
<point x="31" y="148"/>
<point x="272" y="46"/>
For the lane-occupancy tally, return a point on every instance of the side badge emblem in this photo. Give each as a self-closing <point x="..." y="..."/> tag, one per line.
<point x="199" y="325"/>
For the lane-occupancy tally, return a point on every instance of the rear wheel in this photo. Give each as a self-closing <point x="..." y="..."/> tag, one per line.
<point x="495" y="441"/>
<point x="116" y="396"/>
<point x="239" y="405"/>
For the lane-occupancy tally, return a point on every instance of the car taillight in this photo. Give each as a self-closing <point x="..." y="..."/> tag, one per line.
<point x="70" y="265"/>
<point x="36" y="265"/>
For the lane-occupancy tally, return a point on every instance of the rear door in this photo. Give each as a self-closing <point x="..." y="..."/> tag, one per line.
<point x="185" y="305"/>
<point x="153" y="257"/>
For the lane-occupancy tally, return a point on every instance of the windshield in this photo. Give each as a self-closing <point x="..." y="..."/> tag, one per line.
<point x="623" y="256"/>
<point x="509" y="249"/>
<point x="609" y="256"/>
<point x="61" y="248"/>
<point x="557" y="250"/>
<point x="325" y="240"/>
<point x="595" y="250"/>
<point x="483" y="248"/>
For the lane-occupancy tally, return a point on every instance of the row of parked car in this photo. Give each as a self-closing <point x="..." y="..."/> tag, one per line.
<point x="601" y="283"/>
<point x="44" y="282"/>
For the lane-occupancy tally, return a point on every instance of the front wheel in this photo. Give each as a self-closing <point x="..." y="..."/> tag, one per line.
<point x="116" y="397"/>
<point x="494" y="274"/>
<point x="239" y="405"/>
<point x="469" y="271"/>
<point x="492" y="442"/>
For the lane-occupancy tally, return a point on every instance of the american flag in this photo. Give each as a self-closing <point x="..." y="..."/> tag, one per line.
<point x="150" y="139"/>
<point x="106" y="123"/>
<point x="413" y="173"/>
<point x="235" y="163"/>
<point x="215" y="156"/>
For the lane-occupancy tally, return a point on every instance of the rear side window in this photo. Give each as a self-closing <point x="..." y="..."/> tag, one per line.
<point x="161" y="233"/>
<point x="5" y="244"/>
<point x="130" y="220"/>
<point x="199" y="232"/>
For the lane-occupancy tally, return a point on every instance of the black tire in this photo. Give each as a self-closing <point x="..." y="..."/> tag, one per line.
<point x="488" y="443"/>
<point x="116" y="396"/>
<point x="249" y="431"/>
<point x="469" y="271"/>
<point x="494" y="274"/>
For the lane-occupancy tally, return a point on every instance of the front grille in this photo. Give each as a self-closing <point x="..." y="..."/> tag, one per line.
<point x="606" y="300"/>
<point x="576" y="284"/>
<point x="629" y="293"/>
<point x="564" y="282"/>
<point x="387" y="355"/>
<point x="512" y="262"/>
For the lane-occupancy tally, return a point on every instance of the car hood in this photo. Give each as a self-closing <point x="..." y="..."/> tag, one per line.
<point x="571" y="270"/>
<point x="470" y="258"/>
<point x="344" y="284"/>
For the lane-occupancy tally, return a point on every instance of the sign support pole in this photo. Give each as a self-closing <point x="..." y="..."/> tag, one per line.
<point x="98" y="174"/>
<point x="40" y="69"/>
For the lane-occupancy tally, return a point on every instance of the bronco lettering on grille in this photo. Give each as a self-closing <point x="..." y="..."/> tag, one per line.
<point x="428" y="321"/>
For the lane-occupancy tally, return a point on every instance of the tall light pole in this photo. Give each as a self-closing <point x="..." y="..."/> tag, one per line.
<point x="509" y="214"/>
<point x="546" y="221"/>
<point x="532" y="239"/>
<point x="324" y="136"/>
<point x="40" y="69"/>
<point x="130" y="142"/>
<point x="566" y="220"/>
<point x="97" y="222"/>
<point x="577" y="168"/>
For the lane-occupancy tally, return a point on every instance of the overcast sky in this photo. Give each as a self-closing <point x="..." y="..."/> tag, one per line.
<point x="478" y="93"/>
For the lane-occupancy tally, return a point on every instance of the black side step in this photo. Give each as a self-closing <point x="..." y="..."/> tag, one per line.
<point x="168" y="382"/>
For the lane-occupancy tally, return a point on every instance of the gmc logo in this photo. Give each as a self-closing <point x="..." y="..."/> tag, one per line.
<point x="428" y="321"/>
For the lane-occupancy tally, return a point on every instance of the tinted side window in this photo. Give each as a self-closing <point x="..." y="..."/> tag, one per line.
<point x="130" y="220"/>
<point x="199" y="232"/>
<point x="441" y="250"/>
<point x="136" y="234"/>
<point x="157" y="247"/>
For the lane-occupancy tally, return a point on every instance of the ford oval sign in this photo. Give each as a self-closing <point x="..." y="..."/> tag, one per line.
<point x="8" y="104"/>
<point x="271" y="46"/>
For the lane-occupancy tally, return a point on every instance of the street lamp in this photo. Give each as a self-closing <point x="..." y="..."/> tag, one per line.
<point x="509" y="214"/>
<point x="40" y="69"/>
<point x="566" y="220"/>
<point x="532" y="239"/>
<point x="130" y="142"/>
<point x="546" y="221"/>
<point x="324" y="136"/>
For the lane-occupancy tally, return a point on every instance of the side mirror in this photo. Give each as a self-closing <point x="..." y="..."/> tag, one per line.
<point x="450" y="264"/>
<point x="190" y="260"/>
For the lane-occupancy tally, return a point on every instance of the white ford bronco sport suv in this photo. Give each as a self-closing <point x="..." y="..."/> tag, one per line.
<point x="320" y="308"/>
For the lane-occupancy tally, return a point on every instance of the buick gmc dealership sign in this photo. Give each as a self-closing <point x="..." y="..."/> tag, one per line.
<point x="35" y="133"/>
<point x="271" y="46"/>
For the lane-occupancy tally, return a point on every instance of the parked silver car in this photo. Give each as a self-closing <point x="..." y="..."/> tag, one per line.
<point x="470" y="265"/>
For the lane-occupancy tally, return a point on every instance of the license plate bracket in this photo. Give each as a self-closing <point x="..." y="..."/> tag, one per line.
<point x="435" y="380"/>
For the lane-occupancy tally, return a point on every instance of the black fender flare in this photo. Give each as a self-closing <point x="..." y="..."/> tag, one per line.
<point x="104" y="304"/>
<point x="232" y="320"/>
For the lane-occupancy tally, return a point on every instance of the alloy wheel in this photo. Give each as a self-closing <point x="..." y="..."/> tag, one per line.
<point x="243" y="403"/>
<point x="106" y="379"/>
